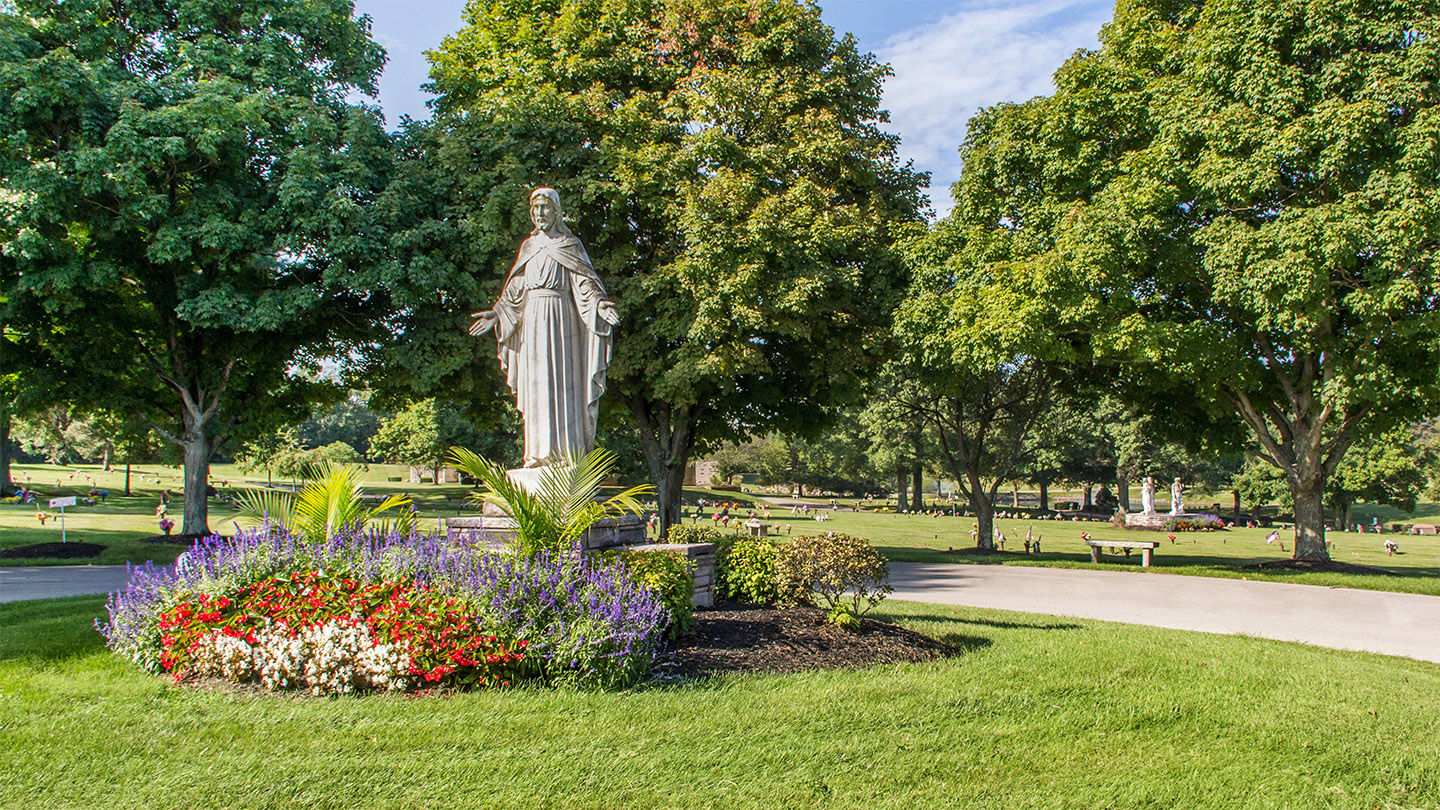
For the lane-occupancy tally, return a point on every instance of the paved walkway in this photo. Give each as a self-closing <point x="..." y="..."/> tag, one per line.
<point x="1341" y="618"/>
<point x="48" y="581"/>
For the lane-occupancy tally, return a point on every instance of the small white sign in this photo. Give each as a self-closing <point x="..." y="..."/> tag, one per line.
<point x="70" y="501"/>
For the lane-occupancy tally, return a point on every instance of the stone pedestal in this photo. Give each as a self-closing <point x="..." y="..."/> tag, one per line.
<point x="700" y="556"/>
<point x="493" y="530"/>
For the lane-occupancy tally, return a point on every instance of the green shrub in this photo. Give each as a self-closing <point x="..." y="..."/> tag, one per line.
<point x="693" y="534"/>
<point x="846" y="572"/>
<point x="668" y="575"/>
<point x="746" y="570"/>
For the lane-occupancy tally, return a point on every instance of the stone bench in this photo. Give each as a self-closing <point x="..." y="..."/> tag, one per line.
<point x="1147" y="548"/>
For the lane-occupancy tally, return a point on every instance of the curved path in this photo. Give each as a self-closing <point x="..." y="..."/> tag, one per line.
<point x="1341" y="618"/>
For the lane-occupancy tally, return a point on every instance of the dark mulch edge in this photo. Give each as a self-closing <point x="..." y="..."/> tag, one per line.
<point x="754" y="638"/>
<point x="1330" y="567"/>
<point x="52" y="551"/>
<point x="176" y="539"/>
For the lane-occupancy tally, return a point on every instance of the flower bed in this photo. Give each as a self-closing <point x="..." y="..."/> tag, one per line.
<point x="394" y="612"/>
<point x="1195" y="523"/>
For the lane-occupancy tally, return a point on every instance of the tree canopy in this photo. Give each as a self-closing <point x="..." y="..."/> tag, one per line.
<point x="1237" y="202"/>
<point x="183" y="193"/>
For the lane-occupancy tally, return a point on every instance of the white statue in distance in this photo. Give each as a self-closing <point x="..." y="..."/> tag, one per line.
<point x="1177" y="491"/>
<point x="554" y="323"/>
<point x="1147" y="496"/>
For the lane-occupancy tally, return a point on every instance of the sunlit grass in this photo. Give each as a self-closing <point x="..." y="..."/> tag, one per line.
<point x="1035" y="712"/>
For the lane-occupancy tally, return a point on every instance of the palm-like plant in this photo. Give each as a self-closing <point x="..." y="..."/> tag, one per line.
<point x="565" y="501"/>
<point x="332" y="500"/>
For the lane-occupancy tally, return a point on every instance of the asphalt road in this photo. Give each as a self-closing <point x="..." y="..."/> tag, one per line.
<point x="1341" y="618"/>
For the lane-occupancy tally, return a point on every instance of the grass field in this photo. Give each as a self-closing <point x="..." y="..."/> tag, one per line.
<point x="121" y="523"/>
<point x="1035" y="713"/>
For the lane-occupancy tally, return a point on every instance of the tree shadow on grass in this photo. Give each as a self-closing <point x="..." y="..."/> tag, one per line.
<point x="46" y="631"/>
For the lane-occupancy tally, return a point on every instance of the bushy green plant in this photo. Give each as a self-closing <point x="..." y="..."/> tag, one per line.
<point x="332" y="502"/>
<point x="847" y="574"/>
<point x="747" y="570"/>
<point x="668" y="575"/>
<point x="694" y="533"/>
<point x="564" y="503"/>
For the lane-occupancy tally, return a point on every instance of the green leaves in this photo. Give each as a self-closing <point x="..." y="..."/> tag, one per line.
<point x="334" y="499"/>
<point x="562" y="505"/>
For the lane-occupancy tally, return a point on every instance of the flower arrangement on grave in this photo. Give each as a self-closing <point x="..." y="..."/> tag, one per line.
<point x="166" y="524"/>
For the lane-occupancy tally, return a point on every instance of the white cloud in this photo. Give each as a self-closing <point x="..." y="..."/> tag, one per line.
<point x="982" y="54"/>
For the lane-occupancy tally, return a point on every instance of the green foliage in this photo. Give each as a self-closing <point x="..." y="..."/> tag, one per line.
<point x="693" y="533"/>
<point x="420" y="435"/>
<point x="184" y="217"/>
<point x="350" y="421"/>
<point x="747" y="570"/>
<point x="564" y="504"/>
<point x="847" y="573"/>
<point x="670" y="576"/>
<point x="333" y="501"/>
<point x="724" y="163"/>
<point x="334" y="453"/>
<point x="1239" y="202"/>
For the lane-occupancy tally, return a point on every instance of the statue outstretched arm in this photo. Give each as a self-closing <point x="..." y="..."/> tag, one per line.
<point x="484" y="322"/>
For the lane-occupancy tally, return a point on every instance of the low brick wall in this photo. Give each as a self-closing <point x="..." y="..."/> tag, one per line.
<point x="701" y="557"/>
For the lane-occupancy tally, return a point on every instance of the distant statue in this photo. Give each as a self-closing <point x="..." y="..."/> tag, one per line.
<point x="554" y="322"/>
<point x="1177" y="503"/>
<point x="1147" y="496"/>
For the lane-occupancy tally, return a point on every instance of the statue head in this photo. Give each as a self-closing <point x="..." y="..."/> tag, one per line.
<point x="545" y="212"/>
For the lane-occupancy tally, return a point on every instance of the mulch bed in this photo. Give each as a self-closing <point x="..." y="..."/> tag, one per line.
<point x="61" y="551"/>
<point x="749" y="638"/>
<point x="1330" y="566"/>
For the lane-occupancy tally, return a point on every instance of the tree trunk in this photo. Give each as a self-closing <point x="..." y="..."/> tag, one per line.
<point x="984" y="515"/>
<point x="668" y="436"/>
<point x="900" y="485"/>
<point x="919" y="488"/>
<point x="197" y="474"/>
<point x="1044" y="495"/>
<point x="105" y="460"/>
<point x="1088" y="503"/>
<point x="1236" y="517"/>
<point x="6" y="485"/>
<point x="1310" y="522"/>
<point x="1122" y="490"/>
<point x="127" y="478"/>
<point x="1014" y="495"/>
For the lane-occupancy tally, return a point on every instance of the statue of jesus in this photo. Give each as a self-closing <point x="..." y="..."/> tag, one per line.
<point x="554" y="324"/>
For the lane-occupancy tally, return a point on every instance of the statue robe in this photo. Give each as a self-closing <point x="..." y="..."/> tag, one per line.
<point x="554" y="346"/>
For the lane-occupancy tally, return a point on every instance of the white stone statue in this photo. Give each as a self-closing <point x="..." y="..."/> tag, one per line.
<point x="1147" y="496"/>
<point x="1177" y="504"/>
<point x="554" y="323"/>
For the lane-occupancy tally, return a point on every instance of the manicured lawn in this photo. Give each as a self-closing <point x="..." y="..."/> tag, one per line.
<point x="1036" y="712"/>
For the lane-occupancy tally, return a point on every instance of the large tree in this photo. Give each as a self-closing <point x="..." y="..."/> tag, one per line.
<point x="724" y="163"/>
<point x="185" y="186"/>
<point x="1240" y="201"/>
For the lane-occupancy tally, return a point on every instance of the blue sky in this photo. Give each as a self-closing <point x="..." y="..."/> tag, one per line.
<point x="950" y="58"/>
